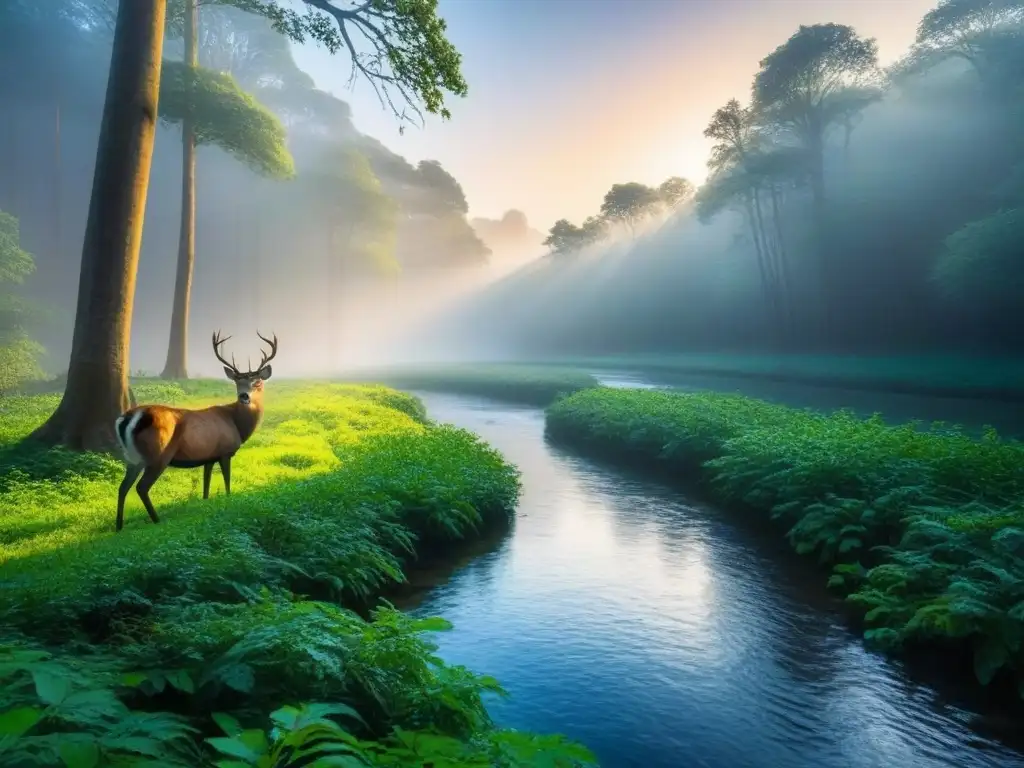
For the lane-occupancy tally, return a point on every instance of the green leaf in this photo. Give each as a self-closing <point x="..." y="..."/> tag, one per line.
<point x="836" y="581"/>
<point x="238" y="677"/>
<point x="180" y="679"/>
<point x="15" y="722"/>
<point x="234" y="748"/>
<point x="254" y="739"/>
<point x="847" y="545"/>
<point x="51" y="689"/>
<point x="80" y="754"/>
<point x="133" y="679"/>
<point x="227" y="723"/>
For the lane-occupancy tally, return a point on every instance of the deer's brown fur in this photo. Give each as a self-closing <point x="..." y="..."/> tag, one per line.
<point x="155" y="437"/>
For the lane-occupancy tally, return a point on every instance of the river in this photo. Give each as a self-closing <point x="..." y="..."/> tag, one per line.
<point x="662" y="634"/>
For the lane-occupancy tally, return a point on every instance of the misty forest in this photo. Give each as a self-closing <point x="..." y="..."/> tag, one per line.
<point x="726" y="473"/>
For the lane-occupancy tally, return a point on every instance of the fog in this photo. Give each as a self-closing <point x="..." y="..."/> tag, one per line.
<point x="366" y="259"/>
<point x="928" y="159"/>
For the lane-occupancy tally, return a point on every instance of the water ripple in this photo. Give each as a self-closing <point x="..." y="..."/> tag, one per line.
<point x="660" y="634"/>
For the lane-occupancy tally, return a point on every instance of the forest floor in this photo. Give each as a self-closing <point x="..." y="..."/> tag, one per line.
<point x="931" y="375"/>
<point x="185" y="641"/>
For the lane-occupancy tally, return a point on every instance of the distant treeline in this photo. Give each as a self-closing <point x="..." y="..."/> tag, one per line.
<point x="847" y="208"/>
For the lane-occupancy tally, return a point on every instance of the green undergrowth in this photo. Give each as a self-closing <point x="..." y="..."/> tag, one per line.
<point x="530" y="385"/>
<point x="925" y="374"/>
<point x="923" y="529"/>
<point x="195" y="642"/>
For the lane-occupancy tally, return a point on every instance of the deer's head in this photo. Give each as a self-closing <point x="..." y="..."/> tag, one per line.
<point x="248" y="385"/>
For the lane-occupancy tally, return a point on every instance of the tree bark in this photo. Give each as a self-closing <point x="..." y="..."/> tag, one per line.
<point x="176" y="366"/>
<point x="97" y="385"/>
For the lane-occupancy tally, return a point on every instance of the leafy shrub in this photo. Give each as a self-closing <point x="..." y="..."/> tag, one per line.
<point x="532" y="385"/>
<point x="923" y="529"/>
<point x="71" y="712"/>
<point x="161" y="628"/>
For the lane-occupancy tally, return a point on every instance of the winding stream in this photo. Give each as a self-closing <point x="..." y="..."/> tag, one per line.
<point x="661" y="634"/>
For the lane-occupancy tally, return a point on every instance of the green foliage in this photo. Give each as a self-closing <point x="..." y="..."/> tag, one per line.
<point x="675" y="191"/>
<point x="67" y="712"/>
<point x="411" y="54"/>
<point x="362" y="217"/>
<point x="629" y="203"/>
<point x="225" y="116"/>
<point x="982" y="261"/>
<point x="799" y="80"/>
<point x="533" y="385"/>
<point x="329" y="496"/>
<point x="924" y="530"/>
<point x="962" y="28"/>
<point x="163" y="632"/>
<point x="19" y="355"/>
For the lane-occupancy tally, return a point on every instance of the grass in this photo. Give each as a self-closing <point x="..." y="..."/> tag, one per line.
<point x="529" y="385"/>
<point x="923" y="530"/>
<point x="932" y="375"/>
<point x="200" y="637"/>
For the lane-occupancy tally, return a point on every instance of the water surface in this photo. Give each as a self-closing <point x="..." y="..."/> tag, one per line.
<point x="664" y="634"/>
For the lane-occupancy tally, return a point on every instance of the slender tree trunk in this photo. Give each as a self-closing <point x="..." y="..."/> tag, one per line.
<point x="97" y="386"/>
<point x="758" y="247"/>
<point x="826" y="276"/>
<point x="176" y="366"/>
<point x="786" y="284"/>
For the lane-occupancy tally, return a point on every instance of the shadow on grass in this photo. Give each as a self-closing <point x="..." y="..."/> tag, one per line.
<point x="29" y="460"/>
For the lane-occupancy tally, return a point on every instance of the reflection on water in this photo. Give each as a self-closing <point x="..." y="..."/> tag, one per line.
<point x="659" y="634"/>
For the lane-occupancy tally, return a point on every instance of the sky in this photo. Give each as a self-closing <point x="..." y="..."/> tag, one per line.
<point x="567" y="97"/>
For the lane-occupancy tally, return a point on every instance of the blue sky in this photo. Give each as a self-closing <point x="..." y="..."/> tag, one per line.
<point x="567" y="97"/>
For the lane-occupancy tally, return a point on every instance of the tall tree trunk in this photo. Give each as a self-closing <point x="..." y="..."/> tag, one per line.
<point x="97" y="387"/>
<point x="758" y="246"/>
<point x="785" y="281"/>
<point x="176" y="366"/>
<point x="826" y="276"/>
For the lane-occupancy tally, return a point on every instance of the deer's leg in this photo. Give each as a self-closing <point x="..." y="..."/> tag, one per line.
<point x="225" y="469"/>
<point x="207" y="474"/>
<point x="131" y="474"/>
<point x="150" y="476"/>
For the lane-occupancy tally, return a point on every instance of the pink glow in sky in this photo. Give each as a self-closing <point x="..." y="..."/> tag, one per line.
<point x="567" y="97"/>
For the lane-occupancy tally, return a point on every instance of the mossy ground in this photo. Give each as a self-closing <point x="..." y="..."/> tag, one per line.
<point x="235" y="604"/>
<point x="512" y="382"/>
<point x="923" y="529"/>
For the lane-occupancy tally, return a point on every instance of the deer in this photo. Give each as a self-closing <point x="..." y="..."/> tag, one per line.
<point x="155" y="437"/>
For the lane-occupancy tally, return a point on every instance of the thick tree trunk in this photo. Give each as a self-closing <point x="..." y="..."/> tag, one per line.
<point x="97" y="385"/>
<point x="176" y="366"/>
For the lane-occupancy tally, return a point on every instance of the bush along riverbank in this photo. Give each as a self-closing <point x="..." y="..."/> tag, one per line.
<point x="923" y="530"/>
<point x="226" y="634"/>
<point x="529" y="385"/>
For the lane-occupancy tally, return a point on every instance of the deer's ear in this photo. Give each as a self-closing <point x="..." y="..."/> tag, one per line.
<point x="230" y="374"/>
<point x="265" y="372"/>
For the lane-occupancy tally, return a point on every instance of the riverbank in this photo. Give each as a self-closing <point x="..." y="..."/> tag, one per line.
<point x="1000" y="380"/>
<point x="923" y="531"/>
<point x="511" y="382"/>
<point x="243" y="604"/>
